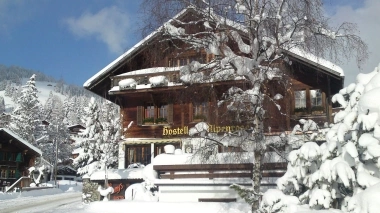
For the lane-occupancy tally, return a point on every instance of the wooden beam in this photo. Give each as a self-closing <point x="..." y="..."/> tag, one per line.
<point x="205" y="175"/>
<point x="205" y="167"/>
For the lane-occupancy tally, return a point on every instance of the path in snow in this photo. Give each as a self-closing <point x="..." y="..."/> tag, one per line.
<point x="64" y="202"/>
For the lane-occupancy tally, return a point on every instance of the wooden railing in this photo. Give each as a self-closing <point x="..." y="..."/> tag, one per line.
<point x="212" y="171"/>
<point x="22" y="181"/>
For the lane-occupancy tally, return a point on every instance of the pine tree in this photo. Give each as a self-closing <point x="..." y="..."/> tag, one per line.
<point x="25" y="116"/>
<point x="335" y="173"/>
<point x="2" y="104"/>
<point x="100" y="139"/>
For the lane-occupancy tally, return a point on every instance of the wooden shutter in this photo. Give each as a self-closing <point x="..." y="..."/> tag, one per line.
<point x="170" y="113"/>
<point x="140" y="110"/>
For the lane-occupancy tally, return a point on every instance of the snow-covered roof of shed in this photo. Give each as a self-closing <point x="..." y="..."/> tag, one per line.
<point x="323" y="63"/>
<point x="26" y="143"/>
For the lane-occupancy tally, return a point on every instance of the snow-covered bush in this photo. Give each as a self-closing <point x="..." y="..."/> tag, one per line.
<point x="344" y="171"/>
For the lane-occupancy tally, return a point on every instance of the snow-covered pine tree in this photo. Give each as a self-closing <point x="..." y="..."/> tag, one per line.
<point x="247" y="39"/>
<point x="55" y="132"/>
<point x="25" y="116"/>
<point x="100" y="139"/>
<point x="341" y="172"/>
<point x="2" y="104"/>
<point x="111" y="134"/>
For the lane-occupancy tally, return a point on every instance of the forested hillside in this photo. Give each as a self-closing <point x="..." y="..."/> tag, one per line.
<point x="30" y="99"/>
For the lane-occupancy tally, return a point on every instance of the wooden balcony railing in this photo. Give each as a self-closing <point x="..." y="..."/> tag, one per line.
<point x="212" y="171"/>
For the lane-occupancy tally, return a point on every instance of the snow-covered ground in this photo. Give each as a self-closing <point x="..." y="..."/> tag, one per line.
<point x="68" y="198"/>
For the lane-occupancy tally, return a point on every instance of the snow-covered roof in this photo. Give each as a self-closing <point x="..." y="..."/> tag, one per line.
<point x="117" y="174"/>
<point x="323" y="63"/>
<point x="129" y="53"/>
<point x="316" y="61"/>
<point x="150" y="71"/>
<point x="26" y="143"/>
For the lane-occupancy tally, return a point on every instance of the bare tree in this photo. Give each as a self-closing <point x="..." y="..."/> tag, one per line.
<point x="247" y="38"/>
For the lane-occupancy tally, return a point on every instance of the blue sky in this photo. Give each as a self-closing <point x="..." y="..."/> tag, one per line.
<point x="74" y="39"/>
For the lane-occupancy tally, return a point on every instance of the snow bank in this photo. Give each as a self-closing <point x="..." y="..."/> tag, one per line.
<point x="366" y="201"/>
<point x="63" y="186"/>
<point x="122" y="206"/>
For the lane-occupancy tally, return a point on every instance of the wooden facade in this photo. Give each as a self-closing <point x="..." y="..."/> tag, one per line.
<point x="164" y="113"/>
<point x="16" y="156"/>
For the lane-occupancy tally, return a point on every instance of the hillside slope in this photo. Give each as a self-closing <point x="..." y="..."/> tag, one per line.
<point x="44" y="89"/>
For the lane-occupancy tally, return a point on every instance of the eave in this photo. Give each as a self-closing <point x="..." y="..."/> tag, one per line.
<point x="22" y="144"/>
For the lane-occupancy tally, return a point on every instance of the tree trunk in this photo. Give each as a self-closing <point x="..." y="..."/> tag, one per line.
<point x="256" y="179"/>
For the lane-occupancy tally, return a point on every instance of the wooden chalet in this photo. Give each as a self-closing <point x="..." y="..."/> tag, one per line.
<point x="16" y="156"/>
<point x="163" y="109"/>
<point x="163" y="113"/>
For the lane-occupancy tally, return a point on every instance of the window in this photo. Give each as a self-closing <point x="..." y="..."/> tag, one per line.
<point x="4" y="156"/>
<point x="163" y="111"/>
<point x="316" y="97"/>
<point x="183" y="61"/>
<point x="151" y="114"/>
<point x="138" y="154"/>
<point x="200" y="111"/>
<point x="309" y="102"/>
<point x="300" y="99"/>
<point x="149" y="111"/>
<point x="3" y="173"/>
<point x="12" y="173"/>
<point x="12" y="157"/>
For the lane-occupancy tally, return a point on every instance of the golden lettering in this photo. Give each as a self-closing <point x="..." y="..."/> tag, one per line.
<point x="211" y="128"/>
<point x="165" y="131"/>
<point x="186" y="131"/>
